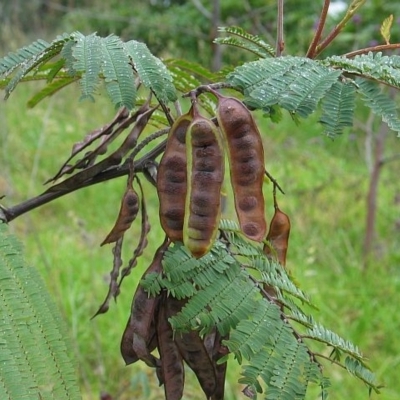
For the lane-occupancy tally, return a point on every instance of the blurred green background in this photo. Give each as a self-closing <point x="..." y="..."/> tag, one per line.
<point x="326" y="184"/>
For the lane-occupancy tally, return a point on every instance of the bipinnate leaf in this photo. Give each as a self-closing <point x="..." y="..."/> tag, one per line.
<point x="152" y="72"/>
<point x="35" y="355"/>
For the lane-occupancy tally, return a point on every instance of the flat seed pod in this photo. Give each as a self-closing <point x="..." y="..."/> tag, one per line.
<point x="205" y="174"/>
<point x="193" y="351"/>
<point x="172" y="370"/>
<point x="127" y="214"/>
<point x="246" y="157"/>
<point x="138" y="339"/>
<point x="172" y="180"/>
<point x="278" y="236"/>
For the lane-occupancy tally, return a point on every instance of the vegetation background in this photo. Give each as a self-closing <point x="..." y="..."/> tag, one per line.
<point x="328" y="186"/>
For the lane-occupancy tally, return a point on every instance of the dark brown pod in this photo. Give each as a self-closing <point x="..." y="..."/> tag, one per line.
<point x="205" y="174"/>
<point x="138" y="338"/>
<point x="246" y="157"/>
<point x="278" y="237"/>
<point x="127" y="214"/>
<point x="172" y="370"/>
<point x="193" y="351"/>
<point x="172" y="180"/>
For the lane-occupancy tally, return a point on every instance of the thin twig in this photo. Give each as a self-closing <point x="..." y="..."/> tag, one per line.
<point x="339" y="27"/>
<point x="318" y="32"/>
<point x="280" y="42"/>
<point x="366" y="50"/>
<point x="274" y="181"/>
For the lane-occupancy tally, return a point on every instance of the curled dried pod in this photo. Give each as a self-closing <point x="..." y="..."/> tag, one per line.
<point x="246" y="157"/>
<point x="278" y="236"/>
<point x="127" y="214"/>
<point x="172" y="180"/>
<point x="205" y="174"/>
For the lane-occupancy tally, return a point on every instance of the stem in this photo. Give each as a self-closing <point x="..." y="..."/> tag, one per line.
<point x="356" y="4"/>
<point x="373" y="193"/>
<point x="280" y="43"/>
<point x="366" y="50"/>
<point x="8" y="214"/>
<point x="318" y="32"/>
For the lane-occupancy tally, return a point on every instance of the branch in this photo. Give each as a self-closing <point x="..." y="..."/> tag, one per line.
<point x="56" y="191"/>
<point x="366" y="50"/>
<point x="318" y="32"/>
<point x="354" y="6"/>
<point x="280" y="42"/>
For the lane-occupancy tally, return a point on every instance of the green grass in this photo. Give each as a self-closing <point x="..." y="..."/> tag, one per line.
<point x="325" y="184"/>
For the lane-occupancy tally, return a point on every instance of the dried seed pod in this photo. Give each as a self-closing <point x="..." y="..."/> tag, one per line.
<point x="246" y="157"/>
<point x="127" y="214"/>
<point x="172" y="180"/>
<point x="137" y="340"/>
<point x="193" y="351"/>
<point x="278" y="236"/>
<point x="172" y="370"/>
<point x="205" y="174"/>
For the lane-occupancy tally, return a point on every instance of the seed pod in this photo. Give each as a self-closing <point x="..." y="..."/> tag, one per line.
<point x="172" y="371"/>
<point x="127" y="214"/>
<point x="278" y="236"/>
<point x="246" y="157"/>
<point x="205" y="172"/>
<point x="137" y="339"/>
<point x="172" y="181"/>
<point x="193" y="351"/>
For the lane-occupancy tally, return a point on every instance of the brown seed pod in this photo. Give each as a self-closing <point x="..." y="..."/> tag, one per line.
<point x="172" y="180"/>
<point x="193" y="351"/>
<point x="127" y="214"/>
<point x="138" y="338"/>
<point x="172" y="370"/>
<point x="246" y="157"/>
<point x="205" y="174"/>
<point x="278" y="236"/>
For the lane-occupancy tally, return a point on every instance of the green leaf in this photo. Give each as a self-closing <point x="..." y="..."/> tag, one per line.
<point x="380" y="103"/>
<point x="118" y="74"/>
<point x="35" y="357"/>
<point x="338" y="108"/>
<point x="87" y="54"/>
<point x="152" y="72"/>
<point x="294" y="83"/>
<point x="39" y="58"/>
<point x="386" y="27"/>
<point x="13" y="60"/>
<point x="50" y="89"/>
<point x="237" y="36"/>
<point x="375" y="66"/>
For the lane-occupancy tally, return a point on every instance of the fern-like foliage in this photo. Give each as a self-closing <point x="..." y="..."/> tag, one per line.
<point x="338" y="108"/>
<point x="375" y="66"/>
<point x="238" y="37"/>
<point x="380" y="103"/>
<point x="35" y="358"/>
<point x="301" y="85"/>
<point x="90" y="60"/>
<point x="225" y="291"/>
<point x="294" y="83"/>
<point x="152" y="72"/>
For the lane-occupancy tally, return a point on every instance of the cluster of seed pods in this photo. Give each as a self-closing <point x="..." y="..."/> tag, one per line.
<point x="148" y="329"/>
<point x="191" y="173"/>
